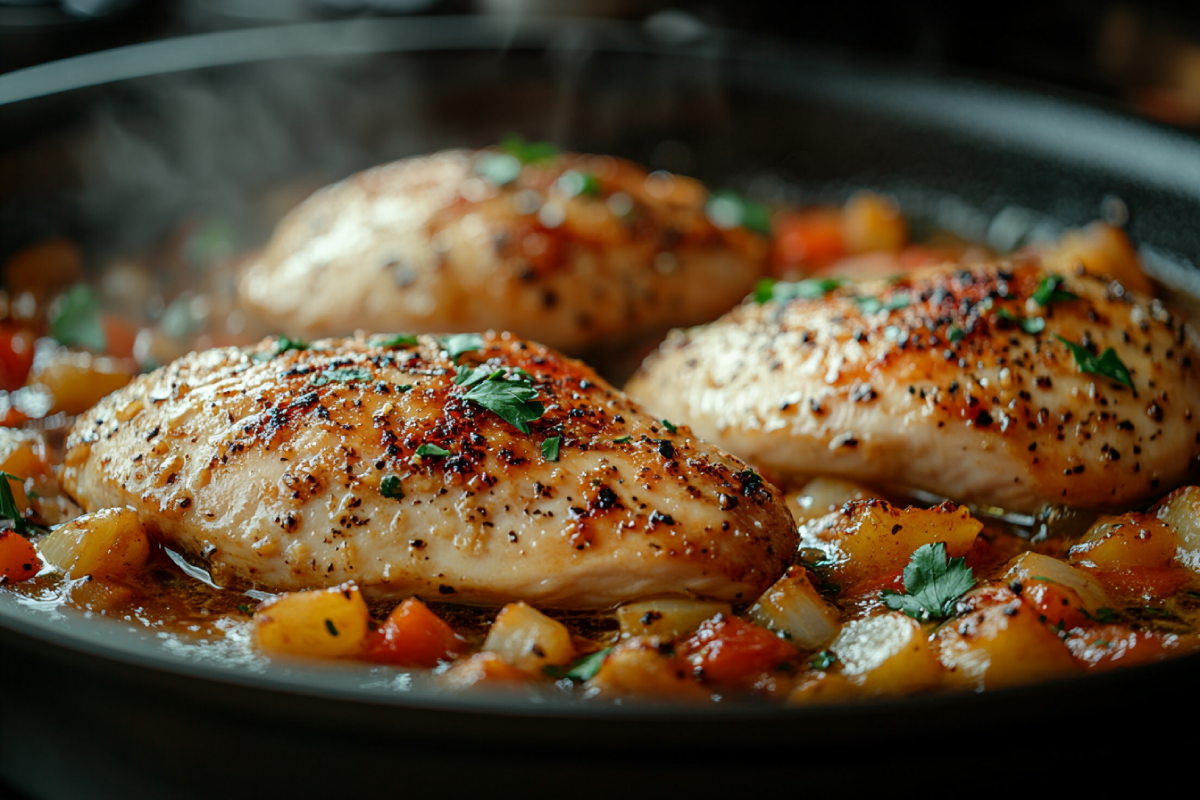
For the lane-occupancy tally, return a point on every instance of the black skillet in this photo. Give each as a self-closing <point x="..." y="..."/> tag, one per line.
<point x="115" y="148"/>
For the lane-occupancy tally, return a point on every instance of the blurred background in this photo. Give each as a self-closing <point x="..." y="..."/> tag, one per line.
<point x="1144" y="56"/>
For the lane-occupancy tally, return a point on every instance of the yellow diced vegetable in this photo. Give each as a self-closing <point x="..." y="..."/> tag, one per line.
<point x="77" y="380"/>
<point x="1101" y="249"/>
<point x="667" y="618"/>
<point x="823" y="687"/>
<point x="871" y="222"/>
<point x="108" y="544"/>
<point x="1181" y="510"/>
<point x="793" y="606"/>
<point x="1001" y="643"/>
<point x="887" y="654"/>
<point x="528" y="639"/>
<point x="1132" y="540"/>
<point x="331" y="623"/>
<point x="641" y="666"/>
<point x="820" y="496"/>
<point x="1029" y="566"/>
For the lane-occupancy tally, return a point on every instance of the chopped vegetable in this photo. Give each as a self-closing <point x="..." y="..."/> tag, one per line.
<point x="18" y="558"/>
<point x="395" y="340"/>
<point x="1048" y="291"/>
<point x="432" y="450"/>
<point x="390" y="487"/>
<point x="932" y="583"/>
<point x="730" y="650"/>
<point x="528" y="152"/>
<point x="887" y="654"/>
<point x="413" y="636"/>
<point x="110" y="543"/>
<point x="794" y="607"/>
<point x="326" y="622"/>
<point x="528" y="639"/>
<point x="1108" y="365"/>
<point x="668" y="618"/>
<point x="16" y="356"/>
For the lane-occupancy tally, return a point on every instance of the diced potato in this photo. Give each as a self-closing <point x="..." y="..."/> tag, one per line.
<point x="482" y="669"/>
<point x="793" y="606"/>
<point x="1001" y="643"/>
<point x="1181" y="510"/>
<point x="528" y="639"/>
<point x="887" y="654"/>
<point x="824" y="687"/>
<point x="821" y="496"/>
<point x="77" y="380"/>
<point x="331" y="623"/>
<point x="871" y="222"/>
<point x="1101" y="249"/>
<point x="667" y="618"/>
<point x="23" y="453"/>
<point x="109" y="544"/>
<point x="1034" y="567"/>
<point x="875" y="538"/>
<point x="643" y="666"/>
<point x="1126" y="542"/>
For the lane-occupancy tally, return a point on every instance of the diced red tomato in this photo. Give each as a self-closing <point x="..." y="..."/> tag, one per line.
<point x="1059" y="604"/>
<point x="18" y="559"/>
<point x="1106" y="646"/>
<point x="119" y="336"/>
<point x="16" y="356"/>
<point x="413" y="636"/>
<point x="809" y="238"/>
<point x="729" y="650"/>
<point x="1152" y="582"/>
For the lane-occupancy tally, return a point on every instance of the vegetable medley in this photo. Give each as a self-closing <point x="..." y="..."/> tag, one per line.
<point x="886" y="596"/>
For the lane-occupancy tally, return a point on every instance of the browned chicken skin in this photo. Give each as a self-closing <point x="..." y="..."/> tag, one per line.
<point x="301" y="469"/>
<point x="956" y="390"/>
<point x="575" y="252"/>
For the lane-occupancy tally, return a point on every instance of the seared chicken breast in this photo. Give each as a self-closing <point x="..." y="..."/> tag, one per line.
<point x="572" y="251"/>
<point x="478" y="470"/>
<point x="993" y="385"/>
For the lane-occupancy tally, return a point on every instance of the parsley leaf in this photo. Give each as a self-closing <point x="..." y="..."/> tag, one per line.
<point x="1048" y="291"/>
<point x="582" y="670"/>
<point x="461" y="343"/>
<point x="867" y="304"/>
<point x="432" y="450"/>
<point x="954" y="334"/>
<point x="933" y="584"/>
<point x="78" y="320"/>
<point x="809" y="289"/>
<point x="622" y="439"/>
<point x="8" y="504"/>
<point x="498" y="168"/>
<point x="1108" y="365"/>
<point x="550" y="448"/>
<point x="1030" y="325"/>
<point x="395" y="340"/>
<point x="572" y="183"/>
<point x="528" y="152"/>
<point x="510" y="399"/>
<point x="390" y="487"/>
<point x="823" y="660"/>
<point x="283" y="344"/>
<point x="341" y="375"/>
<point x="670" y="426"/>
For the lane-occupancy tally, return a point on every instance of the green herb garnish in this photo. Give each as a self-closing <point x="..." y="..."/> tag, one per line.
<point x="933" y="584"/>
<point x="511" y="399"/>
<point x="550" y="448"/>
<point x="1030" y="325"/>
<point x="954" y="334"/>
<point x="528" y="152"/>
<point x="783" y="291"/>
<point x="572" y="183"/>
<point x="395" y="340"/>
<point x="341" y="375"/>
<point x="403" y="387"/>
<point x="1048" y="291"/>
<point x="622" y="439"/>
<point x="77" y="321"/>
<point x="1105" y="615"/>
<point x="823" y="660"/>
<point x="670" y="426"/>
<point x="1108" y="365"/>
<point x="581" y="670"/>
<point x="245" y="609"/>
<point x="283" y="344"/>
<point x="460" y="343"/>
<point x="390" y="487"/>
<point x="727" y="209"/>
<point x="329" y="626"/>
<point x="8" y="504"/>
<point x="1043" y="579"/>
<point x="432" y="450"/>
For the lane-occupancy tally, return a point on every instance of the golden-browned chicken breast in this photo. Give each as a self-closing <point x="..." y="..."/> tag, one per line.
<point x="570" y="250"/>
<point x="478" y="470"/>
<point x="1003" y="386"/>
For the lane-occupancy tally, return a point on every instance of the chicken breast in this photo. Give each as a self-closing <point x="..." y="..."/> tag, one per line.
<point x="572" y="251"/>
<point x="375" y="461"/>
<point x="989" y="385"/>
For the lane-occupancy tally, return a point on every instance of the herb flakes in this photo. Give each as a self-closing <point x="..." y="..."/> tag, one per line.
<point x="550" y="448"/>
<point x="390" y="487"/>
<point x="1108" y="365"/>
<point x="581" y="670"/>
<point x="341" y="375"/>
<point x="8" y="504"/>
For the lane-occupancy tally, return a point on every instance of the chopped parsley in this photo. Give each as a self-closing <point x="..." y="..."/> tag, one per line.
<point x="341" y="375"/>
<point x="432" y="450"/>
<point x="823" y="660"/>
<point x="622" y="439"/>
<point x="329" y="626"/>
<point x="390" y="487"/>
<point x="1108" y="365"/>
<point x="245" y="610"/>
<point x="8" y="504"/>
<point x="550" y="448"/>
<point x="460" y="343"/>
<point x="871" y="305"/>
<point x="1048" y="291"/>
<point x="1102" y="615"/>
<point x="77" y="321"/>
<point x="512" y="398"/>
<point x="670" y="426"/>
<point x="1030" y="325"/>
<point x="809" y="289"/>
<point x="498" y="168"/>
<point x="283" y="344"/>
<point x="528" y="152"/>
<point x="572" y="183"/>
<point x="954" y="334"/>
<point x="582" y="670"/>
<point x="932" y="584"/>
<point x="1043" y="579"/>
<point x="728" y="209"/>
<point x="395" y="340"/>
<point x="403" y="387"/>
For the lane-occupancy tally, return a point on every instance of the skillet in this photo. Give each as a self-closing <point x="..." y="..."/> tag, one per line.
<point x="114" y="149"/>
